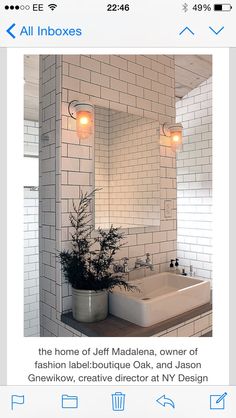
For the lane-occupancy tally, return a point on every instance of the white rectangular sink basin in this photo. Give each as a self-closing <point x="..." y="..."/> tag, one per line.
<point x="161" y="296"/>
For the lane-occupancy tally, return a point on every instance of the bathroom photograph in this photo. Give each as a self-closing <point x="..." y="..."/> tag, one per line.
<point x="118" y="196"/>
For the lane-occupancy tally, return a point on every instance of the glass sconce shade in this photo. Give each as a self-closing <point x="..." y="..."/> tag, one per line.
<point x="84" y="118"/>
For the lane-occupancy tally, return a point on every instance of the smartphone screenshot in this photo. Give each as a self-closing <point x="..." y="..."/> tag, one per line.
<point x="117" y="290"/>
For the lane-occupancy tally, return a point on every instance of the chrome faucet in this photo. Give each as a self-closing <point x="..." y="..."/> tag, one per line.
<point x="121" y="268"/>
<point x="139" y="263"/>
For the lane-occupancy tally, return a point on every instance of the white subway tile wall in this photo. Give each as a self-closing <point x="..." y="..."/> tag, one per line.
<point x="101" y="174"/>
<point x="197" y="326"/>
<point x="50" y="178"/>
<point x="31" y="246"/>
<point x="66" y="163"/>
<point x="31" y="138"/>
<point x="194" y="181"/>
<point x="127" y="169"/>
<point x="31" y="263"/>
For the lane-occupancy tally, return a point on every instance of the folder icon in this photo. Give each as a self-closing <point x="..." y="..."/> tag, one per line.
<point x="69" y="402"/>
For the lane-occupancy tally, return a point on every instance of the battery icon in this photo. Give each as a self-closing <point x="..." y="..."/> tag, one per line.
<point x="225" y="7"/>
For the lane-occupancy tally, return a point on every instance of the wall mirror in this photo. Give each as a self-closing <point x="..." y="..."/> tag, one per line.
<point x="127" y="170"/>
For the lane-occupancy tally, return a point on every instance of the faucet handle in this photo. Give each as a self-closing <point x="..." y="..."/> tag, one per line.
<point x="148" y="257"/>
<point x="125" y="265"/>
<point x="125" y="262"/>
<point x="117" y="267"/>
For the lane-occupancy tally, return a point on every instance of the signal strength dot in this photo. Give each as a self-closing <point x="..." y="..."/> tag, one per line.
<point x="12" y="7"/>
<point x="52" y="6"/>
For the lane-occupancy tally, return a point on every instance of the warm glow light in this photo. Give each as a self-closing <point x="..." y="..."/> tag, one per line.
<point x="83" y="117"/>
<point x="83" y="113"/>
<point x="84" y="120"/>
<point x="176" y="137"/>
<point x="84" y="123"/>
<point x="174" y="132"/>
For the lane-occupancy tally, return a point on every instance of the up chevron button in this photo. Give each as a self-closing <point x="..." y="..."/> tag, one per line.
<point x="186" y="29"/>
<point x="216" y="32"/>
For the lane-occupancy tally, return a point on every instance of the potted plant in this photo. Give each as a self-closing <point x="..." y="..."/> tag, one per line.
<point x="88" y="265"/>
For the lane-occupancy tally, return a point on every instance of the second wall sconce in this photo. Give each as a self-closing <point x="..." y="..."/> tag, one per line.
<point x="174" y="131"/>
<point x="83" y="113"/>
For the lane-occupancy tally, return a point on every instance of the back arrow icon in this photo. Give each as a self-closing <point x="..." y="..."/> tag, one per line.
<point x="163" y="401"/>
<point x="9" y="31"/>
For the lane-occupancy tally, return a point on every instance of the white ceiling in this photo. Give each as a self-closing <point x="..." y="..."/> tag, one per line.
<point x="31" y="76"/>
<point x="190" y="71"/>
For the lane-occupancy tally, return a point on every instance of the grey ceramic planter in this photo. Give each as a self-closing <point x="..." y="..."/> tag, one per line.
<point x="89" y="306"/>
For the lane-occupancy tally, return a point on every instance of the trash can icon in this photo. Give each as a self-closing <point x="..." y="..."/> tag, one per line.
<point x="118" y="401"/>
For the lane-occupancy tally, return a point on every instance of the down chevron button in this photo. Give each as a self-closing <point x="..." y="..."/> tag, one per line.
<point x="216" y="32"/>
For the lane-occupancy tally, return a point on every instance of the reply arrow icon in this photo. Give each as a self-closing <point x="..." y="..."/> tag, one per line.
<point x="163" y="401"/>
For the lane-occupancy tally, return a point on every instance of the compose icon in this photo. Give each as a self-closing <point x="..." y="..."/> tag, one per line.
<point x="69" y="402"/>
<point x="218" y="401"/>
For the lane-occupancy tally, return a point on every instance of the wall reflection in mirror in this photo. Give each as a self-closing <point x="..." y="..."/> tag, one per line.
<point x="127" y="170"/>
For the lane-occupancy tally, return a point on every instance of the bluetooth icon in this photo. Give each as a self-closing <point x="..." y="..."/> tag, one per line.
<point x="185" y="7"/>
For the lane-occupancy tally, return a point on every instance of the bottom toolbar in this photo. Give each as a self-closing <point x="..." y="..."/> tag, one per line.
<point x="109" y="401"/>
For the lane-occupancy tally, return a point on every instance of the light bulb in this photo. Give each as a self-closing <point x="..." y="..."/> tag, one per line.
<point x="84" y="123"/>
<point x="84" y="120"/>
<point x="176" y="138"/>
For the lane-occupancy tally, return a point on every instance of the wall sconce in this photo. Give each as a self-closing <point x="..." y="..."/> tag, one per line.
<point x="173" y="131"/>
<point x="83" y="113"/>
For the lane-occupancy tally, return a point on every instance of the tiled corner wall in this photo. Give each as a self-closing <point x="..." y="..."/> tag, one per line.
<point x="49" y="192"/>
<point x="194" y="181"/>
<point x="139" y="85"/>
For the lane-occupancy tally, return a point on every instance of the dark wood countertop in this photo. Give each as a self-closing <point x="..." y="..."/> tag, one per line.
<point x="113" y="326"/>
